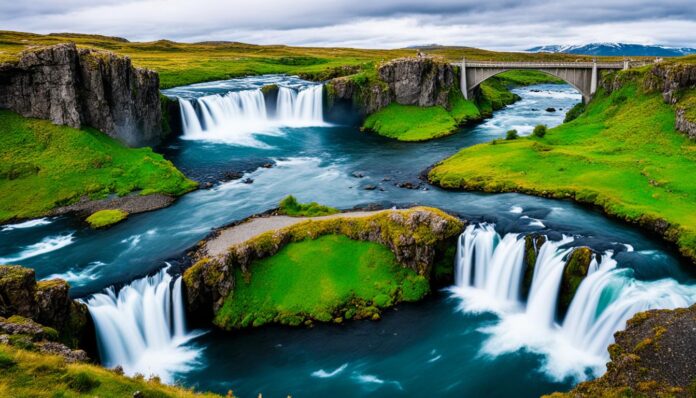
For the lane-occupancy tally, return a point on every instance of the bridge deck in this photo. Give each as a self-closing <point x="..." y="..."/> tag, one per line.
<point x="543" y="65"/>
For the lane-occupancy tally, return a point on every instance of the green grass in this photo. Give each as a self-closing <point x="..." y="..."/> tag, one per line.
<point x="415" y="123"/>
<point x="104" y="218"/>
<point x="181" y="63"/>
<point x="29" y="374"/>
<point x="289" y="206"/>
<point x="622" y="154"/>
<point x="43" y="166"/>
<point x="327" y="278"/>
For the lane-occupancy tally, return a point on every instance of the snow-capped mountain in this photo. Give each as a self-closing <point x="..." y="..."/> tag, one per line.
<point x="616" y="49"/>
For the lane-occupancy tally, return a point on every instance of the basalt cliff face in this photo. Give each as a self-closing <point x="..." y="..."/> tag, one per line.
<point x="83" y="87"/>
<point x="42" y="311"/>
<point x="406" y="81"/>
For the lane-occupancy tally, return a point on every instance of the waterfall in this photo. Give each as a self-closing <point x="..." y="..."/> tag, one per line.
<point x="236" y="116"/>
<point x="142" y="327"/>
<point x="492" y="267"/>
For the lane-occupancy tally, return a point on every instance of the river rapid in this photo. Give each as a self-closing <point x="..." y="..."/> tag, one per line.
<point x="476" y="338"/>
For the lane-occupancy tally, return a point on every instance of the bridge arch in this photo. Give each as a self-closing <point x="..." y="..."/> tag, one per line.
<point x="583" y="76"/>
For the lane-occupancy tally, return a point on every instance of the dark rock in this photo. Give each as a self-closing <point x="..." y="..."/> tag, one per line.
<point x="45" y="302"/>
<point x="232" y="175"/>
<point x="358" y="174"/>
<point x="267" y="165"/>
<point x="131" y="204"/>
<point x="532" y="245"/>
<point x="574" y="273"/>
<point x="550" y="109"/>
<point x="248" y="181"/>
<point x="408" y="185"/>
<point x="207" y="185"/>
<point x="70" y="356"/>
<point x="82" y="87"/>
<point x="652" y="357"/>
<point x="369" y="187"/>
<point x="386" y="179"/>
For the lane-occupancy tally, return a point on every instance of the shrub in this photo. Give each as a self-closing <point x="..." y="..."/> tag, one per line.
<point x="539" y="131"/>
<point x="511" y="135"/>
<point x="82" y="382"/>
<point x="6" y="361"/>
<point x="291" y="207"/>
<point x="574" y="112"/>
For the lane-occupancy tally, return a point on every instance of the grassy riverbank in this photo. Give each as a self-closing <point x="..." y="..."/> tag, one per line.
<point x="30" y="374"/>
<point x="182" y="63"/>
<point x="358" y="277"/>
<point x="415" y="123"/>
<point x="622" y="154"/>
<point x="44" y="166"/>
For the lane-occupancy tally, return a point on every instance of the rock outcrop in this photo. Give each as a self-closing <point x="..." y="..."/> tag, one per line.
<point x="46" y="302"/>
<point x="653" y="357"/>
<point x="418" y="237"/>
<point x="83" y="87"/>
<point x="407" y="81"/>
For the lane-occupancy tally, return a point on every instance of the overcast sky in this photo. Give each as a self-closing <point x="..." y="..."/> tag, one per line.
<point x="492" y="24"/>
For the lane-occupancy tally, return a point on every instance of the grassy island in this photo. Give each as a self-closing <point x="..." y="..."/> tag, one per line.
<point x="43" y="166"/>
<point x="622" y="153"/>
<point x="417" y="123"/>
<point x="314" y="279"/>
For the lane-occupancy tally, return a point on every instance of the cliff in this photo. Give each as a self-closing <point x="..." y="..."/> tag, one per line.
<point x="417" y="237"/>
<point x="405" y="81"/>
<point x="46" y="302"/>
<point x="653" y="357"/>
<point x="83" y="87"/>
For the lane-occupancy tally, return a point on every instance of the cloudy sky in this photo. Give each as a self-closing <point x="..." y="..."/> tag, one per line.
<point x="493" y="24"/>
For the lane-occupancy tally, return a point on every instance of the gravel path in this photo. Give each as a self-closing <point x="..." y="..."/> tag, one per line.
<point x="218" y="245"/>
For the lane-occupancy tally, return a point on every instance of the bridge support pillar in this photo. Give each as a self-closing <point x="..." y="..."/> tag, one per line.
<point x="593" y="82"/>
<point x="462" y="80"/>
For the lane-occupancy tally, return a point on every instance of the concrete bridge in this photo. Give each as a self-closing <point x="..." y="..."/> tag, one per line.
<point x="581" y="75"/>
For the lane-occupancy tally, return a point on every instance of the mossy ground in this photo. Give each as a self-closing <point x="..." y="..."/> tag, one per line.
<point x="291" y="207"/>
<point x="43" y="166"/>
<point x="623" y="154"/>
<point x="29" y="374"/>
<point x="415" y="123"/>
<point x="331" y="277"/>
<point x="180" y="63"/>
<point x="105" y="218"/>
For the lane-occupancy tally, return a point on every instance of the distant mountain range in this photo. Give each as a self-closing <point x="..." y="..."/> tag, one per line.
<point x="615" y="49"/>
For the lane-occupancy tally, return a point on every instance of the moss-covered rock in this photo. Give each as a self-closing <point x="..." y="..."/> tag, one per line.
<point x="46" y="302"/>
<point x="653" y="357"/>
<point x="575" y="271"/>
<point x="532" y="244"/>
<point x="106" y="218"/>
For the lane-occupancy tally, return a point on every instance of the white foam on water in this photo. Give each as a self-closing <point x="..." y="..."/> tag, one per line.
<point x="80" y="277"/>
<point x="322" y="374"/>
<point x="488" y="278"/>
<point x="26" y="224"/>
<point x="46" y="245"/>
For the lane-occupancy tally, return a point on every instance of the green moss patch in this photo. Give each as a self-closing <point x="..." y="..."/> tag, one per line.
<point x="321" y="279"/>
<point x="105" y="218"/>
<point x="43" y="166"/>
<point x="41" y="375"/>
<point x="291" y="207"/>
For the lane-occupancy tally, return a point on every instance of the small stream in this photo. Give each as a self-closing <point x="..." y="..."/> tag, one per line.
<point x="439" y="347"/>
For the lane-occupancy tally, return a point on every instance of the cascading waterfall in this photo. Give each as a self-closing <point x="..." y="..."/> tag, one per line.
<point x="236" y="116"/>
<point x="142" y="327"/>
<point x="493" y="267"/>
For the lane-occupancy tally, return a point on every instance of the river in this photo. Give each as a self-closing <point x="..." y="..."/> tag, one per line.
<point x="453" y="344"/>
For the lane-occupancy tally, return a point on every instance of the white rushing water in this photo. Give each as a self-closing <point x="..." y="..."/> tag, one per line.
<point x="489" y="273"/>
<point x="142" y="327"/>
<point x="46" y="245"/>
<point x="235" y="117"/>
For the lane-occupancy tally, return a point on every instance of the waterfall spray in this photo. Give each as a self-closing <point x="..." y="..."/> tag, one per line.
<point x="142" y="327"/>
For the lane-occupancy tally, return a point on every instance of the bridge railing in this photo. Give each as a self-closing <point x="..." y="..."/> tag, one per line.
<point x="536" y="65"/>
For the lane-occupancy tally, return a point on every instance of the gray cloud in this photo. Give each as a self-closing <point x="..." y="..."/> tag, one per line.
<point x="501" y="24"/>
